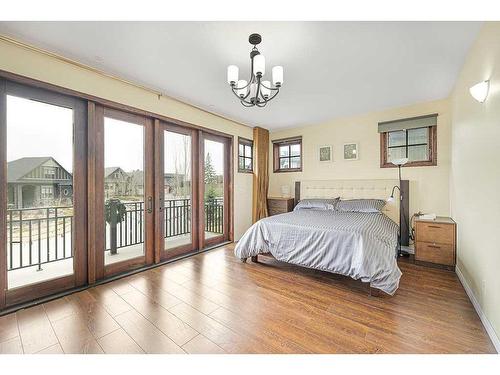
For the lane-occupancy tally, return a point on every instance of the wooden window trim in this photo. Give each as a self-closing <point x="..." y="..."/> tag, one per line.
<point x="245" y="142"/>
<point x="286" y="142"/>
<point x="425" y="163"/>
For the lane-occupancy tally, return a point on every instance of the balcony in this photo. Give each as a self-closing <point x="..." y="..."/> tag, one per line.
<point x="40" y="240"/>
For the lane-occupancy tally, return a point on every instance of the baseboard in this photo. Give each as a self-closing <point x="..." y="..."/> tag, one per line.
<point x="486" y="323"/>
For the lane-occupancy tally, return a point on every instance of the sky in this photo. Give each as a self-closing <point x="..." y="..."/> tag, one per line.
<point x="39" y="129"/>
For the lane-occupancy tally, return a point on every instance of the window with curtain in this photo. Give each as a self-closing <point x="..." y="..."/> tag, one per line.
<point x="413" y="138"/>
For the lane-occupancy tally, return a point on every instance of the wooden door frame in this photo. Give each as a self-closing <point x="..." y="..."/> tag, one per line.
<point x="97" y="222"/>
<point x="228" y="189"/>
<point x="79" y="230"/>
<point x="161" y="253"/>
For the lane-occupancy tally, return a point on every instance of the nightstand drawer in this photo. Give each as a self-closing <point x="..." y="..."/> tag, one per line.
<point x="435" y="233"/>
<point x="278" y="206"/>
<point x="435" y="253"/>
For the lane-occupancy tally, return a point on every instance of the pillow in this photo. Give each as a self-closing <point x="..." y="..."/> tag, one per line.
<point x="316" y="204"/>
<point x="360" y="205"/>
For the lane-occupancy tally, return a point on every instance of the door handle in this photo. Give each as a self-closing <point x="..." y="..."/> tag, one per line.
<point x="150" y="205"/>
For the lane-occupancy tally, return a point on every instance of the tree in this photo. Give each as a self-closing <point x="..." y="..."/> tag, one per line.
<point x="210" y="179"/>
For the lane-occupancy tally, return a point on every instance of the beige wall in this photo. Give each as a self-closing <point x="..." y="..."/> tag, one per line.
<point x="29" y="63"/>
<point x="475" y="172"/>
<point x="428" y="185"/>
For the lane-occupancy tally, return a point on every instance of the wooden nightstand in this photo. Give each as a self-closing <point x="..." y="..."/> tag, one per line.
<point x="435" y="241"/>
<point x="278" y="206"/>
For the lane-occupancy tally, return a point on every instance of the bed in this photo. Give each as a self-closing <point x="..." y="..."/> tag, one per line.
<point x="355" y="244"/>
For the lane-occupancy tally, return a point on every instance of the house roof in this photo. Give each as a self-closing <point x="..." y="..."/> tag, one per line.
<point x="110" y="170"/>
<point x="17" y="169"/>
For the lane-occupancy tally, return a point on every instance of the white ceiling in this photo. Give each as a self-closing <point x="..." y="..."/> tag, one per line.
<point x="331" y="69"/>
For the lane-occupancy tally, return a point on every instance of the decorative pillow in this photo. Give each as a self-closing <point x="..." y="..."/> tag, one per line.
<point x="360" y="205"/>
<point x="316" y="204"/>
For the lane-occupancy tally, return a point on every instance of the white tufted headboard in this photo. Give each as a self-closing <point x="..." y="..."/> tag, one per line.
<point x="354" y="189"/>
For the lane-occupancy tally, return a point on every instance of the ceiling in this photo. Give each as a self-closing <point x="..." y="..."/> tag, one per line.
<point x="331" y="69"/>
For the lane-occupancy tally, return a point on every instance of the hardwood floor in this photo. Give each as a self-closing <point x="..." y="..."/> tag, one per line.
<point x="213" y="303"/>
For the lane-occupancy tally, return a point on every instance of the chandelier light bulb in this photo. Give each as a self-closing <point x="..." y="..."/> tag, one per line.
<point x="241" y="89"/>
<point x="232" y="74"/>
<point x="259" y="65"/>
<point x="278" y="76"/>
<point x="253" y="90"/>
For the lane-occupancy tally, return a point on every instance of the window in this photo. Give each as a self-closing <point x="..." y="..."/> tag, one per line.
<point x="49" y="172"/>
<point x="245" y="155"/>
<point x="47" y="192"/>
<point x="287" y="155"/>
<point x="407" y="139"/>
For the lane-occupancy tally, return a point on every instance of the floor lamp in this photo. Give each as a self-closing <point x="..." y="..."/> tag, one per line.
<point x="399" y="163"/>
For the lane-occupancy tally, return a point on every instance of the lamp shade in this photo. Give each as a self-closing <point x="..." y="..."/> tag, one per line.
<point x="241" y="90"/>
<point x="253" y="90"/>
<point x="480" y="91"/>
<point x="278" y="75"/>
<point x="401" y="161"/>
<point x="265" y="89"/>
<point x="232" y="74"/>
<point x="259" y="65"/>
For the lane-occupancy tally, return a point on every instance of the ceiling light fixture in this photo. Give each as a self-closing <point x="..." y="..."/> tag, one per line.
<point x="255" y="91"/>
<point x="480" y="91"/>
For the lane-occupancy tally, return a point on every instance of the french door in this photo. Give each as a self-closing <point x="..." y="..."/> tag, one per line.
<point x="123" y="208"/>
<point x="43" y="243"/>
<point x="177" y="190"/>
<point x="192" y="180"/>
<point x="215" y="165"/>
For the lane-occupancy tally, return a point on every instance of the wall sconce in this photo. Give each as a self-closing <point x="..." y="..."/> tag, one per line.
<point x="480" y="91"/>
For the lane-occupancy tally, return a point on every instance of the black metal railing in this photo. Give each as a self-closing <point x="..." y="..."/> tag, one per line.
<point x="36" y="236"/>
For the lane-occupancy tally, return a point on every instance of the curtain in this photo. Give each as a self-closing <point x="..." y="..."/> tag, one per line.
<point x="260" y="173"/>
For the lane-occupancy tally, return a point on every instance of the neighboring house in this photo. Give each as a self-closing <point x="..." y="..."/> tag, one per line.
<point x="38" y="181"/>
<point x="175" y="184"/>
<point x="136" y="183"/>
<point x="116" y="182"/>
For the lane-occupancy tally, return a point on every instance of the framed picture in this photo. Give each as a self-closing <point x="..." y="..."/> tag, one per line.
<point x="325" y="153"/>
<point x="350" y="151"/>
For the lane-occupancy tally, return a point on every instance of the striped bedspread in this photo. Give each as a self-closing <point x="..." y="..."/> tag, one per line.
<point x="355" y="244"/>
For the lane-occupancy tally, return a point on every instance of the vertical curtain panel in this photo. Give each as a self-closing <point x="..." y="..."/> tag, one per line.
<point x="260" y="173"/>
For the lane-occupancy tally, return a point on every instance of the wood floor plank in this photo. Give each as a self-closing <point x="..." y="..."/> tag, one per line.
<point x="11" y="346"/>
<point x="111" y="301"/>
<point x="118" y="342"/>
<point x="201" y="345"/>
<point x="146" y="286"/>
<point x="60" y="308"/>
<point x="97" y="319"/>
<point x="74" y="335"/>
<point x="54" y="349"/>
<point x="146" y="335"/>
<point x="8" y="327"/>
<point x="35" y="329"/>
<point x="173" y="327"/>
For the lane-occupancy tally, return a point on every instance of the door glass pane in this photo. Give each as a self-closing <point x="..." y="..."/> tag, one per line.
<point x="123" y="190"/>
<point x="214" y="189"/>
<point x="177" y="189"/>
<point x="39" y="191"/>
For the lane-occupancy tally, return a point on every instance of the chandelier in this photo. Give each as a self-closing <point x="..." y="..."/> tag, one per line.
<point x="255" y="91"/>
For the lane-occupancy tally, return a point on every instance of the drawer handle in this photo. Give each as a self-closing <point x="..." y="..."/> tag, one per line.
<point x="434" y="226"/>
<point x="435" y="246"/>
